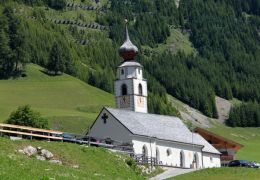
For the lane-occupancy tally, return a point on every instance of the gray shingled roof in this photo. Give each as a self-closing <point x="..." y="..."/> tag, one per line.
<point x="128" y="45"/>
<point x="159" y="126"/>
<point x="130" y="63"/>
<point x="207" y="146"/>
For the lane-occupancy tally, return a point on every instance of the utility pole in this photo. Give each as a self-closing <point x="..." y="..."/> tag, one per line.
<point x="88" y="136"/>
<point x="151" y="154"/>
<point x="193" y="160"/>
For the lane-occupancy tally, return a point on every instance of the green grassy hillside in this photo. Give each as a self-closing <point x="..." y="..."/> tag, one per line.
<point x="69" y="104"/>
<point x="15" y="165"/>
<point x="222" y="173"/>
<point x="249" y="137"/>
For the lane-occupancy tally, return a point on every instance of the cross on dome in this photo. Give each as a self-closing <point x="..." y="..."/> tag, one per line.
<point x="128" y="50"/>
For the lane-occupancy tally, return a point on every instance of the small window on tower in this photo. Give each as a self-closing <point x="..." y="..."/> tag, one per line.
<point x="124" y="89"/>
<point x="122" y="72"/>
<point x="140" y="89"/>
<point x="139" y="71"/>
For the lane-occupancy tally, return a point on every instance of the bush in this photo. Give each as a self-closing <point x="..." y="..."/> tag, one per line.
<point x="57" y="4"/>
<point x="25" y="116"/>
<point x="133" y="165"/>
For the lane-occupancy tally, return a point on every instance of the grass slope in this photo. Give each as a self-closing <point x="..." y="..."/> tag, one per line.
<point x="69" y="104"/>
<point x="94" y="163"/>
<point x="177" y="41"/>
<point x="222" y="173"/>
<point x="249" y="137"/>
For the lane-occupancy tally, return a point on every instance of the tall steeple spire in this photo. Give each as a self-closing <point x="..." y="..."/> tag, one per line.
<point x="128" y="50"/>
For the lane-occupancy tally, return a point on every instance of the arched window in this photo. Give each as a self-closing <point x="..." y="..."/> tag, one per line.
<point x="122" y="72"/>
<point x="140" y="89"/>
<point x="124" y="89"/>
<point x="182" y="159"/>
<point x="196" y="160"/>
<point x="169" y="152"/>
<point x="145" y="154"/>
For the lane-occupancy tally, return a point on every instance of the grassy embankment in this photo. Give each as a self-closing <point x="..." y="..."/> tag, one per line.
<point x="249" y="137"/>
<point x="68" y="103"/>
<point x="94" y="163"/>
<point x="222" y="173"/>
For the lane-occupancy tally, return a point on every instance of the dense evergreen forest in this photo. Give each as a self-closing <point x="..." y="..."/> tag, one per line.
<point x="245" y="115"/>
<point x="225" y="33"/>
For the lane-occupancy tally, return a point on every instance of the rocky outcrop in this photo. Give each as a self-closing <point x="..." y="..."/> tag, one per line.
<point x="55" y="161"/>
<point x="41" y="158"/>
<point x="29" y="150"/>
<point x="40" y="154"/>
<point x="47" y="154"/>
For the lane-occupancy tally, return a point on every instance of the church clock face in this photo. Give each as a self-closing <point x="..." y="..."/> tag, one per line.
<point x="140" y="101"/>
<point x="124" y="102"/>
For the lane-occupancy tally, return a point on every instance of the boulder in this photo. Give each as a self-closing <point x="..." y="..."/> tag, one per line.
<point x="20" y="151"/>
<point x="76" y="166"/>
<point x="41" y="158"/>
<point x="56" y="161"/>
<point x="29" y="150"/>
<point x="47" y="154"/>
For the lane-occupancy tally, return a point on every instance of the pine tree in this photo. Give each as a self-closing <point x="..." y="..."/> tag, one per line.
<point x="56" y="62"/>
<point x="6" y="64"/>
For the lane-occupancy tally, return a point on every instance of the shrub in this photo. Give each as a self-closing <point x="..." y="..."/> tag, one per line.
<point x="25" y="116"/>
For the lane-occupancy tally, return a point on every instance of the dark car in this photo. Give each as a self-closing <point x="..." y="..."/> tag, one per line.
<point x="239" y="163"/>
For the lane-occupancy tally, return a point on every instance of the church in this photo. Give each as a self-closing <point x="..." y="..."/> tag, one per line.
<point x="164" y="138"/>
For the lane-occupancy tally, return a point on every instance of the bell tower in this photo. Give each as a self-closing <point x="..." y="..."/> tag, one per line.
<point x="130" y="86"/>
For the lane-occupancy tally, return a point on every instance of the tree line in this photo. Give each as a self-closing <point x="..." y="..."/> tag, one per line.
<point x="245" y="115"/>
<point x="12" y="46"/>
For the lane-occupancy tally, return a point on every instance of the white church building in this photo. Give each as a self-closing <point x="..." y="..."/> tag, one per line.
<point x="164" y="138"/>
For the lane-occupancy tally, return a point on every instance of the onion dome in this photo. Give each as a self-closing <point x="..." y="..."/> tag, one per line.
<point x="128" y="50"/>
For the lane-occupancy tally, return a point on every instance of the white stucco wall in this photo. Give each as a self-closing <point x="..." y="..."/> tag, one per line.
<point x="132" y="77"/>
<point x="136" y="83"/>
<point x="130" y="72"/>
<point x="111" y="129"/>
<point x="211" y="160"/>
<point x="174" y="158"/>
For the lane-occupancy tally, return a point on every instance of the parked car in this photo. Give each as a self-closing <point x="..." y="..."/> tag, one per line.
<point x="240" y="163"/>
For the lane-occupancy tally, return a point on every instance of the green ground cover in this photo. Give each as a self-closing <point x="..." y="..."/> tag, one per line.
<point x="68" y="103"/>
<point x="222" y="173"/>
<point x="15" y="165"/>
<point x="249" y="137"/>
<point x="177" y="41"/>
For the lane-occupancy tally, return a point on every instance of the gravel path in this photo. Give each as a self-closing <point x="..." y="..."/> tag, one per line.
<point x="171" y="172"/>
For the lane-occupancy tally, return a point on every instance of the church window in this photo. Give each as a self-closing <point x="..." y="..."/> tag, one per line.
<point x="157" y="155"/>
<point x="211" y="159"/>
<point x="139" y="71"/>
<point x="145" y="151"/>
<point x="124" y="89"/>
<point x="122" y="72"/>
<point x="140" y="89"/>
<point x="182" y="159"/>
<point x="169" y="152"/>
